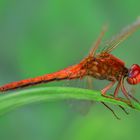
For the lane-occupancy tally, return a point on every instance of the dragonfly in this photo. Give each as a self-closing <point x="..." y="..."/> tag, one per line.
<point x="99" y="64"/>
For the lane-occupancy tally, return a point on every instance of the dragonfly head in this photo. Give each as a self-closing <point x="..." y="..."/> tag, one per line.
<point x="134" y="71"/>
<point x="134" y="74"/>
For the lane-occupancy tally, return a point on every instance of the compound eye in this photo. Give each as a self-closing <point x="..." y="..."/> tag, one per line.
<point x="135" y="67"/>
<point x="134" y="71"/>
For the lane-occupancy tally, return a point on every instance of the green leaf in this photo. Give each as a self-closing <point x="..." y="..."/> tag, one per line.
<point x="10" y="101"/>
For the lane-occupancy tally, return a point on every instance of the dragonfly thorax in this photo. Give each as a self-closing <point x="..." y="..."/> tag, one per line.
<point x="106" y="66"/>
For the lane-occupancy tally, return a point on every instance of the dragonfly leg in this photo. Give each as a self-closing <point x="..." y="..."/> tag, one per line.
<point x="112" y="97"/>
<point x="110" y="110"/>
<point x="103" y="91"/>
<point x="126" y="94"/>
<point x="117" y="89"/>
<point x="123" y="109"/>
<point x="132" y="97"/>
<point x="108" y="87"/>
<point x="116" y="93"/>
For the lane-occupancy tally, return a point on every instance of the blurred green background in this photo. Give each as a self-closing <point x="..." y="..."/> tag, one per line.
<point x="43" y="36"/>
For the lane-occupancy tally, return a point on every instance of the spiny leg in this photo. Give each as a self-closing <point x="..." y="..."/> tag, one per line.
<point x="107" y="88"/>
<point x="110" y="110"/>
<point x="90" y="86"/>
<point x="117" y="88"/>
<point x="89" y="81"/>
<point x="116" y="93"/>
<point x="124" y="90"/>
<point x="104" y="94"/>
<point x="123" y="109"/>
<point x="127" y="95"/>
<point x="132" y="97"/>
<point x="112" y="97"/>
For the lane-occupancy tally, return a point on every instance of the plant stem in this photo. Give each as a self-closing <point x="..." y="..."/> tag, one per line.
<point x="17" y="99"/>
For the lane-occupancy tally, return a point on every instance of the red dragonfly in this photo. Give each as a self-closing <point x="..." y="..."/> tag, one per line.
<point x="102" y="65"/>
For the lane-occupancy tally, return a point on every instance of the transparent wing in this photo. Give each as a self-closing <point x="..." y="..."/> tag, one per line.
<point x="124" y="34"/>
<point x="110" y="45"/>
<point x="82" y="106"/>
